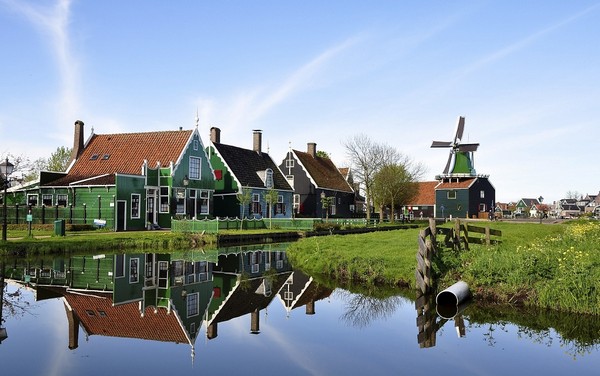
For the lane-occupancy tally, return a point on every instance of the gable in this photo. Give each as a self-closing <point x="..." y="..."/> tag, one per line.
<point x="323" y="172"/>
<point x="425" y="195"/>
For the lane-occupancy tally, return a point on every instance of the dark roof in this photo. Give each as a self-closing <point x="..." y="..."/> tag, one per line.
<point x="246" y="164"/>
<point x="323" y="172"/>
<point x="107" y="154"/>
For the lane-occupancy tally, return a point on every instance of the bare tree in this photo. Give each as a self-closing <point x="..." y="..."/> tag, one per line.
<point x="368" y="157"/>
<point x="244" y="199"/>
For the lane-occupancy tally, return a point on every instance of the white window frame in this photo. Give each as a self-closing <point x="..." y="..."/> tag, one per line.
<point x="180" y="201"/>
<point x="195" y="168"/>
<point x="289" y="163"/>
<point x="451" y="195"/>
<point x="269" y="182"/>
<point x="196" y="143"/>
<point x="66" y="199"/>
<point x="37" y="199"/>
<point x="135" y="208"/>
<point x="164" y="192"/>
<point x="204" y="196"/>
<point x="45" y="196"/>
<point x="193" y="304"/>
<point x="482" y="194"/>
<point x="134" y="270"/>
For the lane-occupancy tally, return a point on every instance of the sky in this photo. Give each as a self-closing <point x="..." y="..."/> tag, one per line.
<point x="524" y="74"/>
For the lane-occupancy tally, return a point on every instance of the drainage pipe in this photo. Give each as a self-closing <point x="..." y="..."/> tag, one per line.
<point x="453" y="295"/>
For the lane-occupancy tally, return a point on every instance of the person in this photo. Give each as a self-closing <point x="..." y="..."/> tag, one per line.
<point x="491" y="215"/>
<point x="421" y="214"/>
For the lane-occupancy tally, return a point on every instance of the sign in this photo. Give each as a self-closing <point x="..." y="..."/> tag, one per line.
<point x="29" y="218"/>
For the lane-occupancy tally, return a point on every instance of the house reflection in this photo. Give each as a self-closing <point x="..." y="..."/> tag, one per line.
<point x="166" y="297"/>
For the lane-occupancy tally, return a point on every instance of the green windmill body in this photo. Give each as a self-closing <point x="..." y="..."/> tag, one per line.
<point x="460" y="160"/>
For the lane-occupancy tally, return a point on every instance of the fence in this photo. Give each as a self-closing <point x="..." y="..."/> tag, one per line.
<point x="48" y="214"/>
<point x="213" y="226"/>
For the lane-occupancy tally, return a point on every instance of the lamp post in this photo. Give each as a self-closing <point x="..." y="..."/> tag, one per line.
<point x="541" y="199"/>
<point x="6" y="168"/>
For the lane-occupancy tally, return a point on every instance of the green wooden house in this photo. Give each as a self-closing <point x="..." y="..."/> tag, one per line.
<point x="237" y="169"/>
<point x="128" y="181"/>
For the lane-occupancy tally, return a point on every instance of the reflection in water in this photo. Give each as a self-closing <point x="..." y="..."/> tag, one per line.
<point x="361" y="310"/>
<point x="180" y="296"/>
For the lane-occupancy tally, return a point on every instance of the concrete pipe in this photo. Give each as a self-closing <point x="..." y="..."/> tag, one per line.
<point x="453" y="295"/>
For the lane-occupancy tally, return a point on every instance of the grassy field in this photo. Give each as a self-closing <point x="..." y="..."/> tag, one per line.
<point x="547" y="265"/>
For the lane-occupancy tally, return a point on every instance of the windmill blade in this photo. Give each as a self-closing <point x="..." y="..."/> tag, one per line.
<point x="448" y="163"/>
<point x="441" y="144"/>
<point x="460" y="128"/>
<point x="468" y="147"/>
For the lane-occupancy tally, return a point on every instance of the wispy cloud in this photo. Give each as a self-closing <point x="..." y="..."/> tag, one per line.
<point x="252" y="104"/>
<point x="521" y="44"/>
<point x="53" y="23"/>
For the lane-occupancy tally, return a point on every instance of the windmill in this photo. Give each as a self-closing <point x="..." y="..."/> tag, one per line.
<point x="461" y="154"/>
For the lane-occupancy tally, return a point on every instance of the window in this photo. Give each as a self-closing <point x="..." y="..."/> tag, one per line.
<point x="135" y="205"/>
<point x="219" y="174"/>
<point x="164" y="199"/>
<point x="106" y="156"/>
<point x="119" y="266"/>
<point x="61" y="200"/>
<point x="451" y="195"/>
<point x="133" y="270"/>
<point x="289" y="163"/>
<point x="269" y="178"/>
<point x="192" y="304"/>
<point x="290" y="180"/>
<point x="196" y="144"/>
<point x="482" y="194"/>
<point x="332" y="208"/>
<point x="204" y="202"/>
<point x="482" y="207"/>
<point x="47" y="200"/>
<point x="280" y="206"/>
<point x="32" y="200"/>
<point x="94" y="157"/>
<point x="180" y="200"/>
<point x="256" y="209"/>
<point x="296" y="201"/>
<point x="194" y="172"/>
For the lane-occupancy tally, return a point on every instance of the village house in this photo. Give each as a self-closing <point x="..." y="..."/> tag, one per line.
<point x="126" y="181"/>
<point x="316" y="179"/>
<point x="237" y="169"/>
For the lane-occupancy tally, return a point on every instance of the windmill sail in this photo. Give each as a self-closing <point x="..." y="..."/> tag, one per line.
<point x="460" y="158"/>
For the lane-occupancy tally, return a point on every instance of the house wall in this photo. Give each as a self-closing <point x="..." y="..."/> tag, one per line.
<point x="127" y="186"/>
<point x="457" y="208"/>
<point x="475" y="199"/>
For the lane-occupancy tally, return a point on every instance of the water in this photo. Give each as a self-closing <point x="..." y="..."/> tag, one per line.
<point x="260" y="322"/>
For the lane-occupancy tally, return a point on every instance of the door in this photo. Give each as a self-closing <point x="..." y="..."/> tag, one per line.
<point x="150" y="206"/>
<point x="121" y="215"/>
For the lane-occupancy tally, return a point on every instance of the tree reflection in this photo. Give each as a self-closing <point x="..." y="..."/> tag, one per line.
<point x="361" y="310"/>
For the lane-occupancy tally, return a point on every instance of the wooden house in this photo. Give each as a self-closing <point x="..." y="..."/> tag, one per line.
<point x="129" y="180"/>
<point x="251" y="170"/>
<point x="314" y="180"/>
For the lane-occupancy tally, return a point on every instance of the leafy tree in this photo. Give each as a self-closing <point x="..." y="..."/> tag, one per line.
<point x="244" y="199"/>
<point x="323" y="154"/>
<point x="394" y="186"/>
<point x="271" y="198"/>
<point x="59" y="160"/>
<point x="326" y="203"/>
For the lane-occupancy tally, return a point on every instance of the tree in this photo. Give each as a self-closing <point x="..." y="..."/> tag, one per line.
<point x="59" y="160"/>
<point x="326" y="203"/>
<point x="244" y="199"/>
<point x="323" y="154"/>
<point x="368" y="157"/>
<point x="394" y="186"/>
<point x="271" y="197"/>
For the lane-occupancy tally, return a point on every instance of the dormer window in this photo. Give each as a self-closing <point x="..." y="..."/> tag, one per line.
<point x="94" y="157"/>
<point x="105" y="156"/>
<point x="269" y="178"/>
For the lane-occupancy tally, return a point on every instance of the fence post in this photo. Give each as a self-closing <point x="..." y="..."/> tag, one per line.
<point x="71" y="213"/>
<point x="43" y="214"/>
<point x="17" y="214"/>
<point x="84" y="213"/>
<point x="56" y="213"/>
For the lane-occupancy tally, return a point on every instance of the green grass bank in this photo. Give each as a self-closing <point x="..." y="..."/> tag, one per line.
<point x="553" y="266"/>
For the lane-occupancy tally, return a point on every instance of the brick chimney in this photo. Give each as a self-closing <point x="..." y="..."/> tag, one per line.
<point x="77" y="140"/>
<point x="257" y="144"/>
<point x="312" y="149"/>
<point x="215" y="135"/>
<point x="255" y="321"/>
<point x="73" y="322"/>
<point x="310" y="308"/>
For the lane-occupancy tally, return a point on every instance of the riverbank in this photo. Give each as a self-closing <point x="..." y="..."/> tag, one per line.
<point x="551" y="266"/>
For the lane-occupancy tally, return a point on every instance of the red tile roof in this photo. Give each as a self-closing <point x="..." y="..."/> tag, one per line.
<point x="124" y="320"/>
<point x="323" y="172"/>
<point x="125" y="153"/>
<point x="426" y="195"/>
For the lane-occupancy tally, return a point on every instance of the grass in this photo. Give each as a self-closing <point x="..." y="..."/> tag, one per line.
<point x="546" y="265"/>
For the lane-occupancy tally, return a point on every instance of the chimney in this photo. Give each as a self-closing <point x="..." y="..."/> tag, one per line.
<point x="211" y="331"/>
<point x="257" y="145"/>
<point x="310" y="308"/>
<point x="215" y="135"/>
<point x="312" y="149"/>
<point x="73" y="322"/>
<point x="77" y="140"/>
<point x="255" y="322"/>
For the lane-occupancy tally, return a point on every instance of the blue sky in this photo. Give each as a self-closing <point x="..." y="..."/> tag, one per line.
<point x="526" y="76"/>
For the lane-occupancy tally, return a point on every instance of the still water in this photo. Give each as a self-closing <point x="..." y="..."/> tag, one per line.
<point x="246" y="311"/>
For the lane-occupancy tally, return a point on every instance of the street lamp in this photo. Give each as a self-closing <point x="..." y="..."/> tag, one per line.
<point x="6" y="168"/>
<point x="541" y="199"/>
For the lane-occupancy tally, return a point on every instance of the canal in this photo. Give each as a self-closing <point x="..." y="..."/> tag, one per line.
<point x="245" y="310"/>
